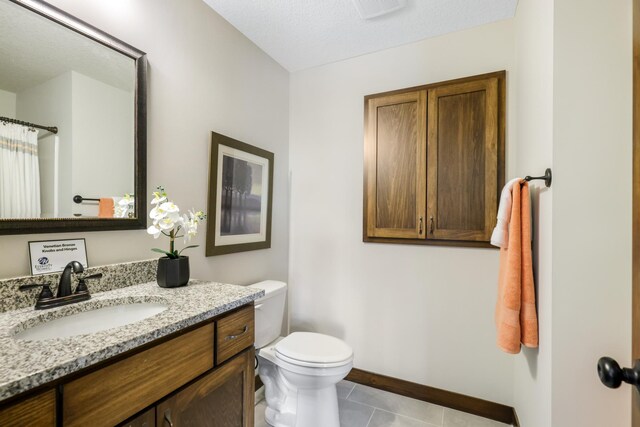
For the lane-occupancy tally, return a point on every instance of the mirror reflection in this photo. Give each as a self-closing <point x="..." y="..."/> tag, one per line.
<point x="67" y="146"/>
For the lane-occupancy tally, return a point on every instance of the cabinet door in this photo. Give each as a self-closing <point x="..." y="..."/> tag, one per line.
<point x="395" y="165"/>
<point x="37" y="411"/>
<point x="146" y="419"/>
<point x="223" y="398"/>
<point x="462" y="160"/>
<point x="109" y="395"/>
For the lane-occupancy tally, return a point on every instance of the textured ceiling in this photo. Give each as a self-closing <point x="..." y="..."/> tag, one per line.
<point x="301" y="34"/>
<point x="34" y="50"/>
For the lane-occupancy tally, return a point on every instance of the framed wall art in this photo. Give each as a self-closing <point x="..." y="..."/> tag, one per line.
<point x="240" y="197"/>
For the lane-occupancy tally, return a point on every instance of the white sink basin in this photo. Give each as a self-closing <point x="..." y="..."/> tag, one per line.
<point x="88" y="322"/>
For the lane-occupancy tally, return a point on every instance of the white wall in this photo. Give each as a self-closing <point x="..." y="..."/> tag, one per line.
<point x="420" y="313"/>
<point x="49" y="104"/>
<point x="7" y="104"/>
<point x="592" y="98"/>
<point x="203" y="76"/>
<point x="48" y="160"/>
<point x="103" y="141"/>
<point x="533" y="143"/>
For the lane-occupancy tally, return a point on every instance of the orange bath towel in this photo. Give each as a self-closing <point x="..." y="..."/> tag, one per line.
<point x="516" y="318"/>
<point x="105" y="207"/>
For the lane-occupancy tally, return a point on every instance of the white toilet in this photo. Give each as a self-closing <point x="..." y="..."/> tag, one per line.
<point x="300" y="371"/>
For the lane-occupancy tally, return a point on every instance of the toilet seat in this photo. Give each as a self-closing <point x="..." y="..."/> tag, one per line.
<point x="314" y="370"/>
<point x="313" y="350"/>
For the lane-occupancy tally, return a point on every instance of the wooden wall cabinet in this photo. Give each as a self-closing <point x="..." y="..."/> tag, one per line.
<point x="396" y="135"/>
<point x="434" y="162"/>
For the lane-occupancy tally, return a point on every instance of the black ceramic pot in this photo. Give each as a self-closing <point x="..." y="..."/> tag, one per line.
<point x="173" y="272"/>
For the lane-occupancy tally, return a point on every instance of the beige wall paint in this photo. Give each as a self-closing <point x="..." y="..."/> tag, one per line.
<point x="51" y="102"/>
<point x="203" y="76"/>
<point x="592" y="95"/>
<point x="7" y="104"/>
<point x="420" y="313"/>
<point x="533" y="143"/>
<point x="103" y="136"/>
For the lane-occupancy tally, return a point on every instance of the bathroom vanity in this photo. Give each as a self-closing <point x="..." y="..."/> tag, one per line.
<point x="191" y="364"/>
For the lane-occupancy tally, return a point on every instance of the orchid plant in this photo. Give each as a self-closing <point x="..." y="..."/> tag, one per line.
<point x="125" y="207"/>
<point x="167" y="220"/>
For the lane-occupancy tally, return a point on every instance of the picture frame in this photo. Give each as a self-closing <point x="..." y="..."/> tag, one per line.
<point x="240" y="197"/>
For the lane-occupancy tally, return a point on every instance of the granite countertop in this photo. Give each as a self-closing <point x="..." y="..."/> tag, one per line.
<point x="28" y="364"/>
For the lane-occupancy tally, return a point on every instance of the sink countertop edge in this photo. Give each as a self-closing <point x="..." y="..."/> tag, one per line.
<point x="30" y="364"/>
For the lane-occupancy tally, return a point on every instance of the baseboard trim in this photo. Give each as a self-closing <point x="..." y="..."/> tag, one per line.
<point x="460" y="402"/>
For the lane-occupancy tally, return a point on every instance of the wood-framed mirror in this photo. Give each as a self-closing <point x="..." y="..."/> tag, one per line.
<point x="73" y="124"/>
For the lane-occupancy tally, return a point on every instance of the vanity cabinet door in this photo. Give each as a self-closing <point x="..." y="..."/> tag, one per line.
<point x="146" y="419"/>
<point x="37" y="411"/>
<point x="222" y="398"/>
<point x="116" y="392"/>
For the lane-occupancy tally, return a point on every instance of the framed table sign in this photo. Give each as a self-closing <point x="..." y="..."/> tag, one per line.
<point x="240" y="197"/>
<point x="52" y="256"/>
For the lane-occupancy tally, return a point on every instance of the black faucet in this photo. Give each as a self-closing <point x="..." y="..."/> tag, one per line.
<point x="64" y="288"/>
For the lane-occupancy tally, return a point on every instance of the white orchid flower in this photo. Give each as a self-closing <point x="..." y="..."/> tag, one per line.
<point x="155" y="231"/>
<point x="191" y="231"/>
<point x="158" y="198"/>
<point x="169" y="207"/>
<point x="157" y="213"/>
<point x="167" y="223"/>
<point x="119" y="212"/>
<point x="190" y="227"/>
<point x="127" y="201"/>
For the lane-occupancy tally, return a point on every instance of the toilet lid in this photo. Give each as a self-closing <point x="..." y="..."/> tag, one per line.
<point x="310" y="347"/>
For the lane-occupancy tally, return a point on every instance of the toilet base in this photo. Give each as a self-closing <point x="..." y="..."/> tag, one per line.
<point x="300" y="396"/>
<point x="307" y="408"/>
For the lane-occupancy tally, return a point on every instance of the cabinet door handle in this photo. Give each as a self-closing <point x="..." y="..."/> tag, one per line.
<point x="233" y="337"/>
<point x="167" y="417"/>
<point x="431" y="225"/>
<point x="420" y="225"/>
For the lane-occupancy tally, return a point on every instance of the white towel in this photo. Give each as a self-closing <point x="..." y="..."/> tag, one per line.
<point x="500" y="235"/>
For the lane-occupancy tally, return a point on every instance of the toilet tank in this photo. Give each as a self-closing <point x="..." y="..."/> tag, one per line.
<point x="269" y="311"/>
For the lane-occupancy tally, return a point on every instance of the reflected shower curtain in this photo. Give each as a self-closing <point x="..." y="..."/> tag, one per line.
<point x="19" y="172"/>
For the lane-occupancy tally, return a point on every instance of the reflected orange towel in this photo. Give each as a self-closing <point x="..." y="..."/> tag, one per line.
<point x="105" y="207"/>
<point x="516" y="318"/>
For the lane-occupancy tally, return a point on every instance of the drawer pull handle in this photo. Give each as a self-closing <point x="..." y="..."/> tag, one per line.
<point x="167" y="417"/>
<point x="259" y="307"/>
<point x="233" y="337"/>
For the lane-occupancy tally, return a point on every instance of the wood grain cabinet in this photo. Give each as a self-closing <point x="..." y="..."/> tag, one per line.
<point x="177" y="381"/>
<point x="36" y="411"/>
<point x="145" y="419"/>
<point x="434" y="162"/>
<point x="219" y="399"/>
<point x="396" y="165"/>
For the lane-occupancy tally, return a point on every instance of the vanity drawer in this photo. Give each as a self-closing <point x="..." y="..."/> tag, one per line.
<point x="235" y="332"/>
<point x="37" y="411"/>
<point x="112" y="394"/>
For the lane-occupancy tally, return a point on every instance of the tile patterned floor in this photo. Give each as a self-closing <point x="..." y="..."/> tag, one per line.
<point x="362" y="406"/>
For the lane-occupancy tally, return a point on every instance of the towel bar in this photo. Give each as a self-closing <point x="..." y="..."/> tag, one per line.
<point x="546" y="177"/>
